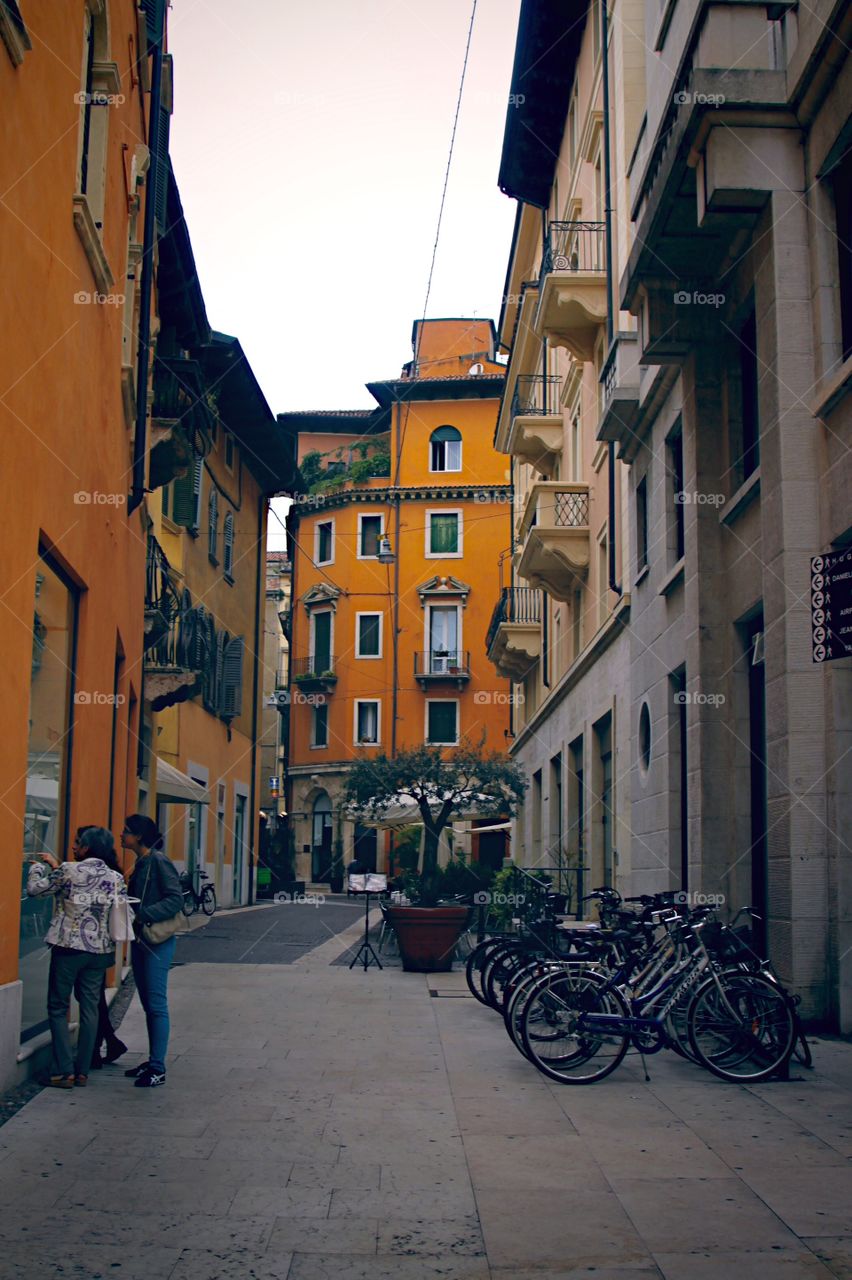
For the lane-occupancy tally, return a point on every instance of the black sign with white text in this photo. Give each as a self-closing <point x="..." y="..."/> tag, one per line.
<point x="831" y="605"/>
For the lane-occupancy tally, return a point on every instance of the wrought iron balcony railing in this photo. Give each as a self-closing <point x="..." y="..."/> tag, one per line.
<point x="574" y="246"/>
<point x="516" y="604"/>
<point x="536" y="396"/>
<point x="314" y="667"/>
<point x="442" y="664"/>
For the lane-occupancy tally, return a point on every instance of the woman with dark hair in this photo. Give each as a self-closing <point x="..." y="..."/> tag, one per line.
<point x="108" y="1047"/>
<point x="155" y="883"/>
<point x="81" y="948"/>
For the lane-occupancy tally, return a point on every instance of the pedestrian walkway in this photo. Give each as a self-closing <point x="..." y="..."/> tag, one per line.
<point x="324" y="1123"/>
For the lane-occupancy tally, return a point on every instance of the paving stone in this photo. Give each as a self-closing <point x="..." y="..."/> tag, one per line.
<point x="335" y="1175"/>
<point x="25" y="1262"/>
<point x="552" y="1229"/>
<point x="812" y="1201"/>
<point x="779" y="1264"/>
<point x="324" y="1236"/>
<point x="444" y="1238"/>
<point x="284" y="1202"/>
<point x="418" y="1202"/>
<point x="535" y="1160"/>
<point x="835" y="1252"/>
<point x="342" y="1267"/>
<point x="683" y="1214"/>
<point x="231" y="1264"/>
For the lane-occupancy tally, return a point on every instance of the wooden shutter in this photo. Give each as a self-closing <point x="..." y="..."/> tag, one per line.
<point x="229" y="544"/>
<point x="185" y="499"/>
<point x="212" y="522"/>
<point x="232" y="683"/>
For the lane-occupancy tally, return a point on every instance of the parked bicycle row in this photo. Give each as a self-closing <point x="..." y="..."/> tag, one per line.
<point x="652" y="975"/>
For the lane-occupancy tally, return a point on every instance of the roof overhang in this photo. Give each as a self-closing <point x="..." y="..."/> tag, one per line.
<point x="546" y="50"/>
<point x="483" y="386"/>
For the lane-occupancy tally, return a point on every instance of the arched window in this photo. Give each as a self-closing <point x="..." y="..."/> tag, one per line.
<point x="445" y="450"/>
<point x="229" y="545"/>
<point x="212" y="524"/>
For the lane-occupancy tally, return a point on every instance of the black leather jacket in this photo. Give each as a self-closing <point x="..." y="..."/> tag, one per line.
<point x="155" y="881"/>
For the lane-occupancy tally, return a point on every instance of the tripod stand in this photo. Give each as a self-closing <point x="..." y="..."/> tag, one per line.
<point x="366" y="948"/>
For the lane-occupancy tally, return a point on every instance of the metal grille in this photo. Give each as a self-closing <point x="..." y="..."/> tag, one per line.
<point x="516" y="604"/>
<point x="536" y="395"/>
<point x="574" y="246"/>
<point x="571" y="510"/>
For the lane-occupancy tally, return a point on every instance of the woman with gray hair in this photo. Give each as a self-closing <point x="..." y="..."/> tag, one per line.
<point x="81" y="948"/>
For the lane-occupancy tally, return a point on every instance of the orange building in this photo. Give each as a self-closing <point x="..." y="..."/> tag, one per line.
<point x="75" y="131"/>
<point x="396" y="552"/>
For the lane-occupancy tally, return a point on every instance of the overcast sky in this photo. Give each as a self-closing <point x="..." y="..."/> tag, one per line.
<point x="309" y="141"/>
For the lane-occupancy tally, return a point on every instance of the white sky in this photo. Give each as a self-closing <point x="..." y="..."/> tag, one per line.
<point x="309" y="140"/>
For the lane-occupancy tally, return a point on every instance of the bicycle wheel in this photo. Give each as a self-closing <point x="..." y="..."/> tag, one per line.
<point x="558" y="1032"/>
<point x="741" y="1027"/>
<point x="475" y="966"/>
<point x="208" y="900"/>
<point x="500" y="974"/>
<point x="190" y="906"/>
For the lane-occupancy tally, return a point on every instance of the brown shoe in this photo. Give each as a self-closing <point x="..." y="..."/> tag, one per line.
<point x="60" y="1082"/>
<point x="81" y="1081"/>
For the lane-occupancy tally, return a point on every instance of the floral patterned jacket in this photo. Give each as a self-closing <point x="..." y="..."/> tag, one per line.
<point x="84" y="892"/>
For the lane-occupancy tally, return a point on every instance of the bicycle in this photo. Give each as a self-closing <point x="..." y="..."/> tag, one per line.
<point x="204" y="897"/>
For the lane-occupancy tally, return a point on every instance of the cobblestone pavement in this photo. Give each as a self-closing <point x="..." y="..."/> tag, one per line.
<point x="324" y="1123"/>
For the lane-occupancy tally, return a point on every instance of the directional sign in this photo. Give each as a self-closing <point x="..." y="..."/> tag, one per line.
<point x="831" y="606"/>
<point x="273" y="784"/>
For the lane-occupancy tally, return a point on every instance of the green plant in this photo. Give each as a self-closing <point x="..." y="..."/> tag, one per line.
<point x="447" y="787"/>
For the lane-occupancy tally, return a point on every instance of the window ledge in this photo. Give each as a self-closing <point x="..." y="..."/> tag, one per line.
<point x="831" y="389"/>
<point x="743" y="497"/>
<point x="170" y="526"/>
<point x="663" y="25"/>
<point x="673" y="578"/>
<point x="642" y="574"/>
<point x="14" y="37"/>
<point x="90" y="238"/>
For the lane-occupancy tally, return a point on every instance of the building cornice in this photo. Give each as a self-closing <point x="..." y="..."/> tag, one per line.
<point x="311" y="504"/>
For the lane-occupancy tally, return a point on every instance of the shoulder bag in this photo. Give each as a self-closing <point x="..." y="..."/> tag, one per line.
<point x="161" y="930"/>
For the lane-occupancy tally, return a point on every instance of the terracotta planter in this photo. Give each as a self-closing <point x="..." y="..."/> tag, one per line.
<point x="427" y="936"/>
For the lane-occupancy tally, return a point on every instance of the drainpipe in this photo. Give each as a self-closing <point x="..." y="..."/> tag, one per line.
<point x="259" y="587"/>
<point x="614" y="584"/>
<point x="395" y="601"/>
<point x="137" y="492"/>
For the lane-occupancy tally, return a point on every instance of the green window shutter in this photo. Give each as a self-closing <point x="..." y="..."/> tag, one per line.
<point x="212" y="522"/>
<point x="322" y="642"/>
<point x="321" y="724"/>
<point x="232" y="679"/>
<point x="444" y="534"/>
<point x="368" y="639"/>
<point x="371" y="531"/>
<point x="443" y="722"/>
<point x="229" y="545"/>
<point x="184" y="500"/>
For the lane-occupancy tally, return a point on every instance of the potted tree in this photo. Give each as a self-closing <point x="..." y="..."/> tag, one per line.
<point x="442" y="787"/>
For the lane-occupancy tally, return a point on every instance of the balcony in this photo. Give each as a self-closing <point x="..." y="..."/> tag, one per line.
<point x="572" y="287"/>
<point x="554" y="537"/>
<point x="442" y="666"/>
<point x="620" y="378"/>
<point x="316" y="672"/>
<point x="535" y="434"/>
<point x="171" y="638"/>
<point x="513" y="642"/>
<point x="182" y="421"/>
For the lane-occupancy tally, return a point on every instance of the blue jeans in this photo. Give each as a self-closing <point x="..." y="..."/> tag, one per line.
<point x="151" y="973"/>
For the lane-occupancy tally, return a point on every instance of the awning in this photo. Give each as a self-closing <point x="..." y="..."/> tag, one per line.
<point x="174" y="787"/>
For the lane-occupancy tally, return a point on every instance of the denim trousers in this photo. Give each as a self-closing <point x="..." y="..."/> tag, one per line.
<point x="84" y="972"/>
<point x="151" y="966"/>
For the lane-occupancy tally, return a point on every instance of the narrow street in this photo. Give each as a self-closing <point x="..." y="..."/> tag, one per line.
<point x="320" y="1122"/>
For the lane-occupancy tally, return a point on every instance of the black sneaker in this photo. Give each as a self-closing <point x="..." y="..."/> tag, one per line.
<point x="137" y="1071"/>
<point x="150" y="1079"/>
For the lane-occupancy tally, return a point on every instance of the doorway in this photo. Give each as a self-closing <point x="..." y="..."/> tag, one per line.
<point x="240" y="803"/>
<point x="321" y="840"/>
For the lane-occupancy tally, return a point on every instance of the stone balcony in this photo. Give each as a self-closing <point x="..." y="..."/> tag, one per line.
<point x="535" y="434"/>
<point x="554" y="537"/>
<point x="513" y="643"/>
<point x="620" y="377"/>
<point x="572" y="288"/>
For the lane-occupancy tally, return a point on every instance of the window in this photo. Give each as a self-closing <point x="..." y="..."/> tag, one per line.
<point x="229" y="545"/>
<point x="366" y="721"/>
<point x="535" y="804"/>
<point x="750" y="416"/>
<point x="370" y="530"/>
<point x="642" y="525"/>
<point x="442" y="723"/>
<point x="229" y="452"/>
<point x="842" y="183"/>
<point x="368" y="639"/>
<point x="443" y="533"/>
<point x="576" y="457"/>
<point x="212" y="523"/>
<point x="576" y="624"/>
<point x="95" y="85"/>
<point x="321" y="632"/>
<point x="324" y="542"/>
<point x="645" y="737"/>
<point x="445" y="449"/>
<point x="13" y="32"/>
<point x="319" y="724"/>
<point x="232" y="678"/>
<point x="603" y="578"/>
<point x="674" y="450"/>
<point x="444" y="625"/>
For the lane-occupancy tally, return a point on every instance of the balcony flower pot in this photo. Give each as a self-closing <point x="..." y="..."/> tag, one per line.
<point x="427" y="936"/>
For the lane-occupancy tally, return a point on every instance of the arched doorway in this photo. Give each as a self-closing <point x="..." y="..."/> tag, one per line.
<point x="321" y="839"/>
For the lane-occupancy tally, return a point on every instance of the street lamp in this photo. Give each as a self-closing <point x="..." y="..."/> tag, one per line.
<point x="386" y="555"/>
